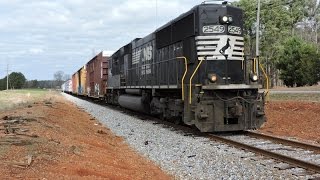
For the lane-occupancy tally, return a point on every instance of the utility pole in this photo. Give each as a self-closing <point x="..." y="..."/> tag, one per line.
<point x="317" y="33"/>
<point x="156" y="14"/>
<point x="257" y="37"/>
<point x="7" y="77"/>
<point x="257" y="29"/>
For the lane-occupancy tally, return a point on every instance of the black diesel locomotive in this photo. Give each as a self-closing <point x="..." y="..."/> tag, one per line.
<point x="191" y="70"/>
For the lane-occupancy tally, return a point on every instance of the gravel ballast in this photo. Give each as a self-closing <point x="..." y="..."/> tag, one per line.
<point x="185" y="157"/>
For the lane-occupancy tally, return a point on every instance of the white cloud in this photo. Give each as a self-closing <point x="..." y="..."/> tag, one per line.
<point x="63" y="34"/>
<point x="36" y="51"/>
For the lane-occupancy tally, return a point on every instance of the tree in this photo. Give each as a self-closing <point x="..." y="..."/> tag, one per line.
<point x="3" y="84"/>
<point x="298" y="63"/>
<point x="310" y="63"/>
<point x="58" y="78"/>
<point x="312" y="19"/>
<point x="32" y="84"/>
<point x="46" y="84"/>
<point x="279" y="20"/>
<point x="58" y="75"/>
<point x="16" y="80"/>
<point x="66" y="77"/>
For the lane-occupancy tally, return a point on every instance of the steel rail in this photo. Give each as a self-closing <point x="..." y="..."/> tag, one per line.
<point x="280" y="157"/>
<point x="306" y="146"/>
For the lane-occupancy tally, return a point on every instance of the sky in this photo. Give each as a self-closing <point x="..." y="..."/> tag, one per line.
<point x="41" y="37"/>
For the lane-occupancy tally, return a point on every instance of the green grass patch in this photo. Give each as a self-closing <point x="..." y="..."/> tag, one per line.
<point x="15" y="98"/>
<point x="310" y="97"/>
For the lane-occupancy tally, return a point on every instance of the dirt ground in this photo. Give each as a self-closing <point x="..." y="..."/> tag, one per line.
<point x="53" y="139"/>
<point x="295" y="119"/>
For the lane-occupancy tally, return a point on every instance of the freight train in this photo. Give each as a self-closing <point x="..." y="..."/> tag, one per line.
<point x="192" y="70"/>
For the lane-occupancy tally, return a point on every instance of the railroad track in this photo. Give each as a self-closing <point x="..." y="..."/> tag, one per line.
<point x="254" y="146"/>
<point x="313" y="147"/>
<point x="292" y="153"/>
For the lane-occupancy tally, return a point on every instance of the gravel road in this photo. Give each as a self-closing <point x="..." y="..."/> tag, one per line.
<point x="184" y="156"/>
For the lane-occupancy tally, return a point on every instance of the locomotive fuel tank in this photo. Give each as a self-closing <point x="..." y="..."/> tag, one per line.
<point x="136" y="103"/>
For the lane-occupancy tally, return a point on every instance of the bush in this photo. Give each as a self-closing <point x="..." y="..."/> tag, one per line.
<point x="298" y="63"/>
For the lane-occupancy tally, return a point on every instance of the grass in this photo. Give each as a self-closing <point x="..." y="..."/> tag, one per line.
<point x="309" y="97"/>
<point x="16" y="98"/>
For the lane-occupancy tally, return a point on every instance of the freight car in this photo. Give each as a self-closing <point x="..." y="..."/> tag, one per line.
<point x="79" y="82"/>
<point x="67" y="86"/>
<point x="191" y="70"/>
<point x="97" y="76"/>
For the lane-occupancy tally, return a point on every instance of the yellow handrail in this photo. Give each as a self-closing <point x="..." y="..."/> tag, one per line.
<point x="267" y="78"/>
<point x="190" y="88"/>
<point x="184" y="75"/>
<point x="254" y="65"/>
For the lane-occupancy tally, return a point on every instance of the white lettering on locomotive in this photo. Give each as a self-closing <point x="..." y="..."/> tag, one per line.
<point x="213" y="29"/>
<point x="136" y="56"/>
<point x="146" y="60"/>
<point x="147" y="53"/>
<point x="234" y="30"/>
<point x="145" y="69"/>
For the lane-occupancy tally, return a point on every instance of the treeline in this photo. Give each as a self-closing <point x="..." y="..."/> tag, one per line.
<point x="289" y="39"/>
<point x="43" y="84"/>
<point x="18" y="81"/>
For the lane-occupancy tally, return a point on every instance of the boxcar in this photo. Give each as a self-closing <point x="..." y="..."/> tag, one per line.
<point x="79" y="81"/>
<point x="74" y="81"/>
<point x="97" y="69"/>
<point x="67" y="86"/>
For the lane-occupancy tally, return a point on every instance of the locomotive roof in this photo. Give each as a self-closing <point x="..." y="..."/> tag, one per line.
<point x="190" y="11"/>
<point x="139" y="41"/>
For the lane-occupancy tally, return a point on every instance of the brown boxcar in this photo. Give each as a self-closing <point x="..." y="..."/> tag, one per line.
<point x="97" y="75"/>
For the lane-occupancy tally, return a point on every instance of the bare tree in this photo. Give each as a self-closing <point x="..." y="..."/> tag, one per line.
<point x="66" y="77"/>
<point x="58" y="78"/>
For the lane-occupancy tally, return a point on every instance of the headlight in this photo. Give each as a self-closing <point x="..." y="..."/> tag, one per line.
<point x="254" y="77"/>
<point x="212" y="77"/>
<point x="226" y="19"/>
